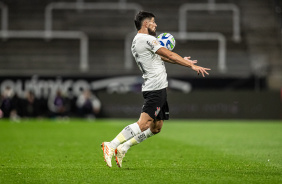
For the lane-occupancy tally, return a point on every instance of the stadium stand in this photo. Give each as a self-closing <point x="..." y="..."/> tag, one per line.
<point x="258" y="52"/>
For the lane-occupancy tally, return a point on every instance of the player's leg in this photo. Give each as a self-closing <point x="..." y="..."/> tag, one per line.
<point x="145" y="121"/>
<point x="131" y="130"/>
<point x="122" y="149"/>
<point x="126" y="134"/>
<point x="154" y="100"/>
<point x="109" y="147"/>
<point x="153" y="129"/>
<point x="156" y="107"/>
<point x="156" y="127"/>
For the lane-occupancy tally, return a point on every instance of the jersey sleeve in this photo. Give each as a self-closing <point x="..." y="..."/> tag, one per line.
<point x="152" y="43"/>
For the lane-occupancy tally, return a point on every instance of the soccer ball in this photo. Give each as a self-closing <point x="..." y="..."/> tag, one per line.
<point x="166" y="40"/>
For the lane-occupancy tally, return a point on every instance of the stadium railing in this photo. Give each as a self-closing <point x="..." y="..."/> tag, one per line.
<point x="85" y="6"/>
<point x="80" y="5"/>
<point x="55" y="35"/>
<point x="7" y="34"/>
<point x="122" y="5"/>
<point x="184" y="8"/>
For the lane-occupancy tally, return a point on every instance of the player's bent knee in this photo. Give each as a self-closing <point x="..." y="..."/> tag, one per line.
<point x="156" y="131"/>
<point x="144" y="125"/>
<point x="144" y="121"/>
<point x="156" y="127"/>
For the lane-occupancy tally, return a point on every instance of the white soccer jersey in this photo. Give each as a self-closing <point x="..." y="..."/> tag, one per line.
<point x="151" y="65"/>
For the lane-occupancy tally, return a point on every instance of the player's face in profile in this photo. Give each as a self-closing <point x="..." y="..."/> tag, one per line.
<point x="152" y="27"/>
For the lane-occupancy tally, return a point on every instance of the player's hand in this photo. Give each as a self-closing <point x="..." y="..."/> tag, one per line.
<point x="200" y="69"/>
<point x="191" y="61"/>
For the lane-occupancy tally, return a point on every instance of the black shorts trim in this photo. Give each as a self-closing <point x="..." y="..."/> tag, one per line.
<point x="155" y="104"/>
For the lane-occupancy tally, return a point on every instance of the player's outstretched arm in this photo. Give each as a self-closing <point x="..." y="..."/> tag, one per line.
<point x="172" y="62"/>
<point x="167" y="60"/>
<point x="191" y="61"/>
<point x="172" y="57"/>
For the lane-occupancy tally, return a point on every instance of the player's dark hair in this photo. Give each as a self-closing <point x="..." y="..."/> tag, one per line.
<point x="140" y="17"/>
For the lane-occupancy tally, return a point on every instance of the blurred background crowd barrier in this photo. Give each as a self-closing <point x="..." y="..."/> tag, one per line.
<point x="72" y="58"/>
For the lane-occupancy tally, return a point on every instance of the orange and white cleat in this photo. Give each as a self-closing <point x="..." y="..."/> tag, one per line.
<point x="108" y="153"/>
<point x="119" y="155"/>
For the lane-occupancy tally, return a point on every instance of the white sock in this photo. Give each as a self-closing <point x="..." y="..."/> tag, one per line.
<point x="137" y="139"/>
<point x="127" y="133"/>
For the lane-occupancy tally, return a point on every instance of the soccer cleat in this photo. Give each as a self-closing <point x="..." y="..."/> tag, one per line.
<point x="119" y="155"/>
<point x="108" y="153"/>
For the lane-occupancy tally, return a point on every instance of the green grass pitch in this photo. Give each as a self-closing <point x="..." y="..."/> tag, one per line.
<point x="186" y="151"/>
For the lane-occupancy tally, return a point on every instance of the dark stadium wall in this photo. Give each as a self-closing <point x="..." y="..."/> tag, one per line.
<point x="120" y="97"/>
<point x="201" y="105"/>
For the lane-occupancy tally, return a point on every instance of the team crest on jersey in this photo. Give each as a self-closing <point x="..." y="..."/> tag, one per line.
<point x="157" y="111"/>
<point x="155" y="42"/>
<point x="150" y="44"/>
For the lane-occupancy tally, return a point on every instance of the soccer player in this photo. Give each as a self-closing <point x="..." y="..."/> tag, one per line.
<point x="149" y="56"/>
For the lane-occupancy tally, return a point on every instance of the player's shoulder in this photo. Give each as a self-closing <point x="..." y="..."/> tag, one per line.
<point x="145" y="36"/>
